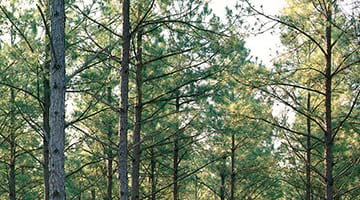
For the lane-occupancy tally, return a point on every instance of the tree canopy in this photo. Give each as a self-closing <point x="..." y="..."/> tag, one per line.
<point x="149" y="99"/>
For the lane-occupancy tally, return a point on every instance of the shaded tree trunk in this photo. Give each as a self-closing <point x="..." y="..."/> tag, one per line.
<point x="176" y="168"/>
<point x="80" y="190"/>
<point x="109" y="154"/>
<point x="196" y="188"/>
<point x="329" y="190"/>
<point x="12" y="139"/>
<point x="124" y="89"/>
<point x="152" y="173"/>
<point x="222" y="186"/>
<point x="232" y="176"/>
<point x="46" y="137"/>
<point x="308" y="152"/>
<point x="46" y="110"/>
<point x="137" y="128"/>
<point x="93" y="194"/>
<point x="176" y="157"/>
<point x="57" y="99"/>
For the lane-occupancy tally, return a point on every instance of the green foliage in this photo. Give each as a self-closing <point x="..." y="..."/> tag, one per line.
<point x="192" y="59"/>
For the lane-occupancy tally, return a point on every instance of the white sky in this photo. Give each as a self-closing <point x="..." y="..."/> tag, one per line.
<point x="262" y="46"/>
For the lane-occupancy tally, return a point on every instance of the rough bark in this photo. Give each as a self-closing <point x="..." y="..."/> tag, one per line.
<point x="46" y="112"/>
<point x="124" y="88"/>
<point x="329" y="193"/>
<point x="308" y="153"/>
<point x="46" y="137"/>
<point x="12" y="139"/>
<point x="137" y="128"/>
<point x="57" y="99"/>
<point x="109" y="154"/>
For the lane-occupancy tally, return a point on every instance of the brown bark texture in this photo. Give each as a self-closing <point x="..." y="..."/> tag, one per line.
<point x="57" y="99"/>
<point x="137" y="128"/>
<point x="124" y="89"/>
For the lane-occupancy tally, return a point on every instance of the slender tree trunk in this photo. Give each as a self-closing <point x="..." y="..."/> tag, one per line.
<point x="329" y="193"/>
<point x="109" y="154"/>
<point x="308" y="152"/>
<point x="137" y="128"/>
<point x="153" y="177"/>
<point x="57" y="99"/>
<point x="12" y="180"/>
<point x="109" y="176"/>
<point x="46" y="109"/>
<point x="81" y="190"/>
<point x="124" y="88"/>
<point x="222" y="186"/>
<point x="232" y="177"/>
<point x="176" y="158"/>
<point x="93" y="194"/>
<point x="176" y="169"/>
<point x="196" y="188"/>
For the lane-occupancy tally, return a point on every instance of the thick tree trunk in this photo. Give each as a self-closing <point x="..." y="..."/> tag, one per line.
<point x="137" y="128"/>
<point x="12" y="139"/>
<point x="46" y="112"/>
<point x="124" y="89"/>
<point x="329" y="190"/>
<point x="57" y="99"/>
<point x="308" y="153"/>
<point x="109" y="154"/>
<point x="232" y="177"/>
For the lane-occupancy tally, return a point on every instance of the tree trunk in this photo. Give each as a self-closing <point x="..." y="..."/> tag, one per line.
<point x="81" y="190"/>
<point x="57" y="99"/>
<point x="308" y="152"/>
<point x="176" y="157"/>
<point x="93" y="194"/>
<point x="12" y="138"/>
<point x="176" y="168"/>
<point x="153" y="177"/>
<point x="329" y="193"/>
<point x="232" y="177"/>
<point x="46" y="137"/>
<point x="124" y="88"/>
<point x="222" y="186"/>
<point x="109" y="154"/>
<point x="137" y="128"/>
<point x="46" y="109"/>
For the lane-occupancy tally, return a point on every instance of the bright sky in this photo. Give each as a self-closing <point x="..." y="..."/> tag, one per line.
<point x="265" y="45"/>
<point x="262" y="46"/>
